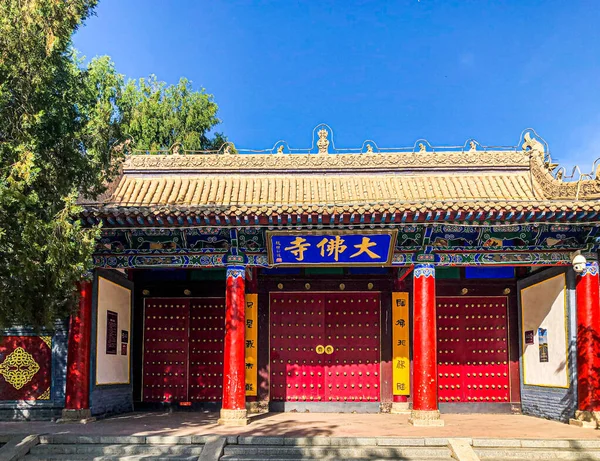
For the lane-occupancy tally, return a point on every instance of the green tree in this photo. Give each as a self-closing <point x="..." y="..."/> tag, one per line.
<point x="157" y="116"/>
<point x="63" y="132"/>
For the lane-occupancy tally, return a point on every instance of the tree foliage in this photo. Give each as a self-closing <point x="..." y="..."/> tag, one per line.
<point x="63" y="132"/>
<point x="159" y="116"/>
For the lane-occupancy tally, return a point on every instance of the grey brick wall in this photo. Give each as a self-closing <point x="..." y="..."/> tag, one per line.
<point x="60" y="344"/>
<point x="109" y="400"/>
<point x="549" y="402"/>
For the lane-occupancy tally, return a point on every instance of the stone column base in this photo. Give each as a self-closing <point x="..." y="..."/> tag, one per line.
<point x="400" y="408"/>
<point x="233" y="418"/>
<point x="422" y="418"/>
<point x="81" y="416"/>
<point x="586" y="419"/>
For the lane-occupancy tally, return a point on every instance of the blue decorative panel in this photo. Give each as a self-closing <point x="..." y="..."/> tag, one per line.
<point x="498" y="272"/>
<point x="331" y="248"/>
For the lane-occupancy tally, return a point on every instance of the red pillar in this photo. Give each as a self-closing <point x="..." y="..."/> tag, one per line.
<point x="233" y="411"/>
<point x="77" y="398"/>
<point x="425" y="406"/>
<point x="588" y="339"/>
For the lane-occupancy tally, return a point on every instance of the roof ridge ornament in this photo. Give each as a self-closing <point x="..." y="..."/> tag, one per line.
<point x="532" y="144"/>
<point x="229" y="149"/>
<point x="423" y="146"/>
<point x="323" y="142"/>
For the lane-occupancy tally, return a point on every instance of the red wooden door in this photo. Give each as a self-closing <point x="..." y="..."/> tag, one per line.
<point x="183" y="349"/>
<point x="353" y="338"/>
<point x="297" y="336"/>
<point x="325" y="347"/>
<point x="207" y="328"/>
<point x="472" y="341"/>
<point x="165" y="368"/>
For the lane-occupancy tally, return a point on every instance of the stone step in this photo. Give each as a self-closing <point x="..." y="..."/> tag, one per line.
<point x="123" y="439"/>
<point x="116" y="449"/>
<point x="505" y="454"/>
<point x="537" y="443"/>
<point x="328" y="452"/>
<point x="109" y="458"/>
<point x="270" y="458"/>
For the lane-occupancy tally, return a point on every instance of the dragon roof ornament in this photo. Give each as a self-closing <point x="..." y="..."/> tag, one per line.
<point x="531" y="154"/>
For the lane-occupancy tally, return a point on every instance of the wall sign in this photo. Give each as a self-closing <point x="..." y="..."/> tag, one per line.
<point x="252" y="344"/>
<point x="112" y="321"/>
<point x="401" y="344"/>
<point x="529" y="337"/>
<point x="332" y="248"/>
<point x="543" y="344"/>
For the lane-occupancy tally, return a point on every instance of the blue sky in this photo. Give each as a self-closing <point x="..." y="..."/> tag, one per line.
<point x="391" y="71"/>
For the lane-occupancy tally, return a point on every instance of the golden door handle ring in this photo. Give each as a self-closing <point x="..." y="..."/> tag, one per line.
<point x="320" y="349"/>
<point x="329" y="349"/>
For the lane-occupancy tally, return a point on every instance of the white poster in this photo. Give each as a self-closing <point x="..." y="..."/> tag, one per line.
<point x="113" y="330"/>
<point x="544" y="333"/>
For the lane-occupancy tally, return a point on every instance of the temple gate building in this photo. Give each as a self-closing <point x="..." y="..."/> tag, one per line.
<point x="456" y="279"/>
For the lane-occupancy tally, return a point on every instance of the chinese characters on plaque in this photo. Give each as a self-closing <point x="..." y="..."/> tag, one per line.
<point x="112" y="322"/>
<point x="401" y="345"/>
<point x="251" y="343"/>
<point x="332" y="248"/>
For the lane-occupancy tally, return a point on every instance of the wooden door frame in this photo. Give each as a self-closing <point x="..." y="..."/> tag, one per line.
<point x="382" y="283"/>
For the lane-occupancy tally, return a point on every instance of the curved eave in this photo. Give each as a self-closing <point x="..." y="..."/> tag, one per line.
<point x="580" y="213"/>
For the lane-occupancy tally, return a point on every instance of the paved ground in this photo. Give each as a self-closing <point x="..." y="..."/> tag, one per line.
<point x="313" y="424"/>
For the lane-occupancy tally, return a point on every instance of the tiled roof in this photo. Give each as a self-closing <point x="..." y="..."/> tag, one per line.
<point x="336" y="183"/>
<point x="303" y="191"/>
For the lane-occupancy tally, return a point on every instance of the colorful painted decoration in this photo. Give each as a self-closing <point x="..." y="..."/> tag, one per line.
<point x="25" y="367"/>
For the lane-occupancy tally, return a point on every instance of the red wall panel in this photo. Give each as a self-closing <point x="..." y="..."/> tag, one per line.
<point x="25" y="367"/>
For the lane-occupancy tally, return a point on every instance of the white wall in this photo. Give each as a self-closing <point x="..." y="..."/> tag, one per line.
<point x="112" y="369"/>
<point x="543" y="305"/>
